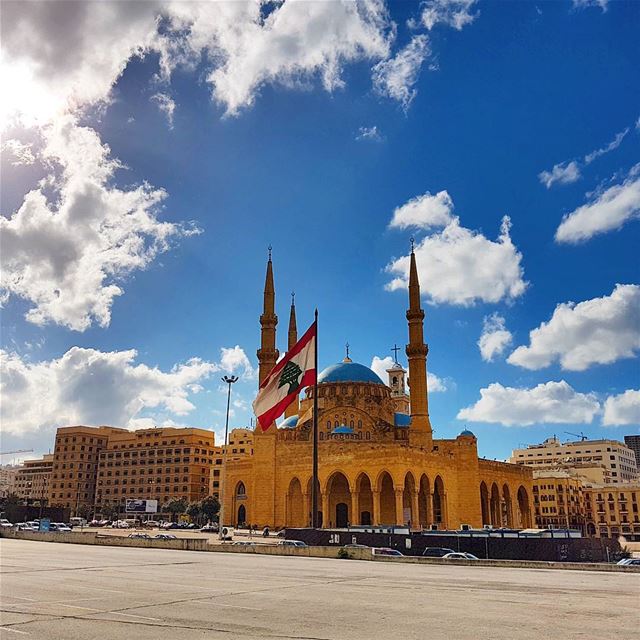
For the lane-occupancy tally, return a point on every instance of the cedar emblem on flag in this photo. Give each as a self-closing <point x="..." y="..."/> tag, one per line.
<point x="294" y="372"/>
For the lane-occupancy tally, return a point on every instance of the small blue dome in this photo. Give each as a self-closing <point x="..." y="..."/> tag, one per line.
<point x="466" y="432"/>
<point x="290" y="423"/>
<point x="348" y="372"/>
<point x="343" y="429"/>
<point x="401" y="420"/>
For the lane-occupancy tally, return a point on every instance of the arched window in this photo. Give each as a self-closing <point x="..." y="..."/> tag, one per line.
<point x="368" y="435"/>
<point x="394" y="380"/>
<point x="322" y="435"/>
<point x="328" y="424"/>
<point x="241" y="490"/>
<point x="359" y="424"/>
<point x="351" y="424"/>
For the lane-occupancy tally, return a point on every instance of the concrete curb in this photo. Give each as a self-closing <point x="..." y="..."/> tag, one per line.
<point x="195" y="544"/>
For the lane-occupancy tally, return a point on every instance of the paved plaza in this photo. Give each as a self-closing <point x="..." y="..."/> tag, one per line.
<point x="82" y="592"/>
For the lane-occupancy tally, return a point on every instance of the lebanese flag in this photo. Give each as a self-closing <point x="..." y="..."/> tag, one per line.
<point x="294" y="372"/>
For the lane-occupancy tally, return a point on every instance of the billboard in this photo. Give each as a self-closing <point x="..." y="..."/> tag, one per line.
<point x="142" y="506"/>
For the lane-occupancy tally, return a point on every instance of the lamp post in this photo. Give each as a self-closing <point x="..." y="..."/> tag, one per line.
<point x="229" y="380"/>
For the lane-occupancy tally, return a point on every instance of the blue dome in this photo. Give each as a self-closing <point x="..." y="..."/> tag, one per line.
<point x="290" y="423"/>
<point x="342" y="429"/>
<point x="466" y="432"/>
<point x="348" y="372"/>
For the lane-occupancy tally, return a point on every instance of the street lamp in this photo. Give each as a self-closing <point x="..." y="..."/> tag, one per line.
<point x="229" y="380"/>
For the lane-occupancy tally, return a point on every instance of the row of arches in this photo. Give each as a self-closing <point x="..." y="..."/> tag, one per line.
<point x="418" y="504"/>
<point x="499" y="510"/>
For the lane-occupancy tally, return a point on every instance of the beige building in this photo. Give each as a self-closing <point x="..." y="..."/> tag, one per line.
<point x="559" y="499"/>
<point x="7" y="479"/>
<point x="617" y="461"/>
<point x="613" y="510"/>
<point x="75" y="465"/>
<point x="31" y="482"/>
<point x="157" y="464"/>
<point x="378" y="461"/>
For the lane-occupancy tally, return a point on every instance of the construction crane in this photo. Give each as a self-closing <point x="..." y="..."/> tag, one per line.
<point x="577" y="435"/>
<point x="6" y="453"/>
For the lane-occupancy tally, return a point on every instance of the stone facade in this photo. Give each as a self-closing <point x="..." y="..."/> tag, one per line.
<point x="378" y="461"/>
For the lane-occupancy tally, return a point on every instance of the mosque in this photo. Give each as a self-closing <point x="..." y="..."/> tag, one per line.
<point x="378" y="461"/>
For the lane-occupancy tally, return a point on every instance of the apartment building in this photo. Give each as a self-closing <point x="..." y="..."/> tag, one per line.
<point x="75" y="465"/>
<point x="633" y="442"/>
<point x="158" y="464"/>
<point x="617" y="460"/>
<point x="559" y="499"/>
<point x="613" y="510"/>
<point x="32" y="479"/>
<point x="7" y="478"/>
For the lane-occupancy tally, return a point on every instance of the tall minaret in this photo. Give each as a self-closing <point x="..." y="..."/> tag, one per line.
<point x="421" y="432"/>
<point x="293" y="408"/>
<point x="267" y="353"/>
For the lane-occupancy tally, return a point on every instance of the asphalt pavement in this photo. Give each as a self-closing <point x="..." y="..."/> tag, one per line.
<point x="77" y="592"/>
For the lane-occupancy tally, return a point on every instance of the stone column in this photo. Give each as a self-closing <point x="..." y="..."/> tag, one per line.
<point x="325" y="511"/>
<point x="415" y="511"/>
<point x="429" y="502"/>
<point x="306" y="505"/>
<point x="376" y="508"/>
<point x="399" y="506"/>
<point x="355" y="508"/>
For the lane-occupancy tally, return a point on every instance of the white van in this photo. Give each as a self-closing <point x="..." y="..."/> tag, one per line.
<point x="78" y="522"/>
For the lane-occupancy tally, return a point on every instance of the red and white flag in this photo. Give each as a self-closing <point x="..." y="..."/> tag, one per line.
<point x="294" y="372"/>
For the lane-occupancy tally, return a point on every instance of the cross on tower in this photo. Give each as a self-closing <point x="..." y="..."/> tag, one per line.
<point x="395" y="350"/>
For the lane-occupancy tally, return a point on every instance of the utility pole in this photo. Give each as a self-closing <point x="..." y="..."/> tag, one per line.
<point x="229" y="380"/>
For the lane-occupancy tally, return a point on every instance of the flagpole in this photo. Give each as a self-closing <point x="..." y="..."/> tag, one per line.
<point x="314" y="481"/>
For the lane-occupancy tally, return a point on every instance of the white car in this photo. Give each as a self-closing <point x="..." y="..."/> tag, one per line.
<point x="292" y="543"/>
<point x="460" y="555"/>
<point x="5" y="524"/>
<point x="60" y="527"/>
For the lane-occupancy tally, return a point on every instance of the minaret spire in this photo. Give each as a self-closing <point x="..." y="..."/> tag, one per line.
<point x="267" y="353"/>
<point x="421" y="432"/>
<point x="293" y="408"/>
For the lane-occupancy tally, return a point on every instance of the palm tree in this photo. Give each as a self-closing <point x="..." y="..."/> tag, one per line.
<point x="175" y="506"/>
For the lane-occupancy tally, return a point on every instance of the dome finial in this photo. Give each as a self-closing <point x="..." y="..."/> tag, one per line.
<point x="347" y="358"/>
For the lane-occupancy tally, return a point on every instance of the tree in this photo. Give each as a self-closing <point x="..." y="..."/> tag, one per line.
<point x="194" y="511"/>
<point x="109" y="510"/>
<point x="84" y="511"/>
<point x="210" y="507"/>
<point x="175" y="506"/>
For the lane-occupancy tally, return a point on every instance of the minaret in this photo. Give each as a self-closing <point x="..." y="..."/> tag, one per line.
<point x="294" y="407"/>
<point x="267" y="353"/>
<point x="421" y="432"/>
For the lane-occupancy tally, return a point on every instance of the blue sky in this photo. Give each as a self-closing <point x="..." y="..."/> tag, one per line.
<point x="259" y="133"/>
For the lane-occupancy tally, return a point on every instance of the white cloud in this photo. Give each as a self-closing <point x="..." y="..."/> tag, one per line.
<point x="597" y="331"/>
<point x="295" y="43"/>
<point x="379" y="365"/>
<point x="396" y="77"/>
<point x="622" y="409"/>
<point x="583" y="4"/>
<point x="20" y="153"/>
<point x="461" y="266"/>
<point x="68" y="255"/>
<point x="86" y="386"/>
<point x="166" y="104"/>
<point x="453" y="13"/>
<point x="235" y="360"/>
<point x="614" y="144"/>
<point x="563" y="173"/>
<point x="607" y="211"/>
<point x="495" y="337"/>
<point x="550" y="402"/>
<point x="370" y="134"/>
<point x="424" y="211"/>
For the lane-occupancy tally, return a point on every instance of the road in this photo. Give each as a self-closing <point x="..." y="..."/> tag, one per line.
<point x="77" y="592"/>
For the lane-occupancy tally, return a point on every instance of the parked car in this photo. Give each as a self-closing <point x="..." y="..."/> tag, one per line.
<point x="210" y="528"/>
<point x="24" y="526"/>
<point x="436" y="552"/>
<point x="243" y="543"/>
<point x="386" y="551"/>
<point x="5" y="524"/>
<point x="120" y="524"/>
<point x="78" y="522"/>
<point x="625" y="562"/>
<point x="460" y="555"/>
<point x="150" y="524"/>
<point x="59" y="527"/>
<point x="164" y="536"/>
<point x="292" y="543"/>
<point x="170" y="525"/>
<point x="139" y="536"/>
